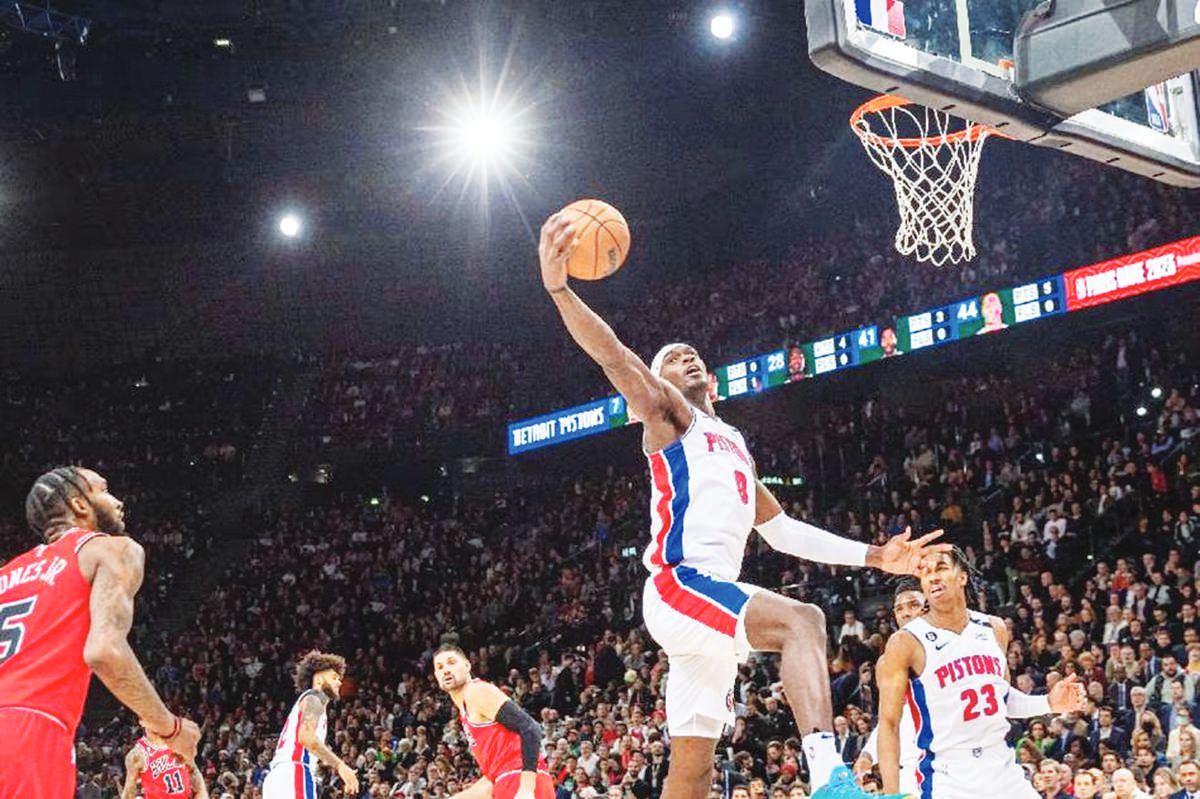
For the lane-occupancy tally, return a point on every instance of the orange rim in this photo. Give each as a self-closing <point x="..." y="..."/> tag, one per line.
<point x="973" y="132"/>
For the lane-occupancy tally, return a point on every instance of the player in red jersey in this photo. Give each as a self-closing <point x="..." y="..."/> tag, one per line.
<point x="505" y="740"/>
<point x="66" y="607"/>
<point x="163" y="773"/>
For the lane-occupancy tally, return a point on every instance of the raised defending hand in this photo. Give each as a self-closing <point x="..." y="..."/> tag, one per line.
<point x="557" y="243"/>
<point x="1068" y="695"/>
<point x="901" y="555"/>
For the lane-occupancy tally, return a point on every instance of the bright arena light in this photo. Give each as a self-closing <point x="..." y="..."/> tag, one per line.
<point x="721" y="25"/>
<point x="484" y="136"/>
<point x="290" y="225"/>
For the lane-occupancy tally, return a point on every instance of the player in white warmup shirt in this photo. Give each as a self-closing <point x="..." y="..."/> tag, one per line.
<point x="705" y="498"/>
<point x="949" y="668"/>
<point x="302" y="742"/>
<point x="909" y="603"/>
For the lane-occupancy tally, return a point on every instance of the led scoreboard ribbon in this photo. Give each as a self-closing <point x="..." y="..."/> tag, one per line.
<point x="986" y="313"/>
<point x="989" y="312"/>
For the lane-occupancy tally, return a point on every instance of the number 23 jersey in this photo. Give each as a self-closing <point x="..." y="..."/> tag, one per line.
<point x="959" y="700"/>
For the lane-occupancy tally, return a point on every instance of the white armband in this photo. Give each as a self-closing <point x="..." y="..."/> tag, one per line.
<point x="801" y="539"/>
<point x="1023" y="706"/>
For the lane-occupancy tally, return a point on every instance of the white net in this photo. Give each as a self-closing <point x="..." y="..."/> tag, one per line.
<point x="933" y="159"/>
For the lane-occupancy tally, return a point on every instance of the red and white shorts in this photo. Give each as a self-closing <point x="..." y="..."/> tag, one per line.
<point x="37" y="757"/>
<point x="700" y="621"/>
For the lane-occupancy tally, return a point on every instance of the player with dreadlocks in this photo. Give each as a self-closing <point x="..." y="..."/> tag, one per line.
<point x="66" y="607"/>
<point x="908" y="603"/>
<point x="949" y="667"/>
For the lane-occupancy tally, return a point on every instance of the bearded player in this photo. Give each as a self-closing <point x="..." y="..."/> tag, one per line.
<point x="66" y="607"/>
<point x="505" y="740"/>
<point x="949" y="668"/>
<point x="162" y="773"/>
<point x="705" y="498"/>
<point x="302" y="742"/>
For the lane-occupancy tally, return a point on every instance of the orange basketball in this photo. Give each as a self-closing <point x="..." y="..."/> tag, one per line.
<point x="603" y="239"/>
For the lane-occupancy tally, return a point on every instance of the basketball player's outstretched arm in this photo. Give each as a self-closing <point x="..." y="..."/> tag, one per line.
<point x="652" y="399"/>
<point x="310" y="712"/>
<point x="114" y="566"/>
<point x="901" y="657"/>
<point x="135" y="761"/>
<point x="794" y="537"/>
<point x="1067" y="696"/>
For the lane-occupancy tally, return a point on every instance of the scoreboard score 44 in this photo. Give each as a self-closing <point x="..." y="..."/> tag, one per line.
<point x="986" y="313"/>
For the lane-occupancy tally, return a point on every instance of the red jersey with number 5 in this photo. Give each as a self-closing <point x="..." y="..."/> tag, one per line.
<point x="44" y="623"/>
<point x="164" y="776"/>
<point x="496" y="748"/>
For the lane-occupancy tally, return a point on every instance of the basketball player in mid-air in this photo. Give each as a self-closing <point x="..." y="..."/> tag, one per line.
<point x="909" y="603"/>
<point x="505" y="740"/>
<point x="705" y="497"/>
<point x="66" y="607"/>
<point x="949" y="668"/>
<point x="302" y="742"/>
<point x="162" y="773"/>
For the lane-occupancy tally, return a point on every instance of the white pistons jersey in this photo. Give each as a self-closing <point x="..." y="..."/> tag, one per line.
<point x="289" y="750"/>
<point x="701" y="500"/>
<point x="959" y="701"/>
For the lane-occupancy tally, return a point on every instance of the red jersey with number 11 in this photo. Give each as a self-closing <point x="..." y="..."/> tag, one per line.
<point x="44" y="623"/>
<point x="165" y="776"/>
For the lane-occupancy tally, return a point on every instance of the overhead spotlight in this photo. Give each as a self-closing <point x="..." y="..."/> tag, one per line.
<point x="1156" y="392"/>
<point x="256" y="94"/>
<point x="1142" y="410"/>
<point x="222" y="43"/>
<point x="721" y="25"/>
<point x="485" y="137"/>
<point x="290" y="225"/>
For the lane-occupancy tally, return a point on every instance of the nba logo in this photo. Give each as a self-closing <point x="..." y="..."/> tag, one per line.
<point x="1158" y="111"/>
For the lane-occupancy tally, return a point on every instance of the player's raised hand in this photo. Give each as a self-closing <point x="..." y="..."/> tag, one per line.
<point x="557" y="243"/>
<point x="1068" y="695"/>
<point x="903" y="555"/>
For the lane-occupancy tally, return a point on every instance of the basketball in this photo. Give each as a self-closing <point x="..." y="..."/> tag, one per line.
<point x="603" y="239"/>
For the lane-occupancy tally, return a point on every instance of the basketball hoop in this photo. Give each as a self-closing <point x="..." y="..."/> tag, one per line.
<point x="933" y="171"/>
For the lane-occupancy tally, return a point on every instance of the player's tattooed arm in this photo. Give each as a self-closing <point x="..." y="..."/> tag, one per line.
<point x="116" y="565"/>
<point x="135" y="761"/>
<point x="199" y="786"/>
<point x="310" y="712"/>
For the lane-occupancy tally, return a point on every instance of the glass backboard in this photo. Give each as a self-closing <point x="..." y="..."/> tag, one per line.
<point x="957" y="55"/>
